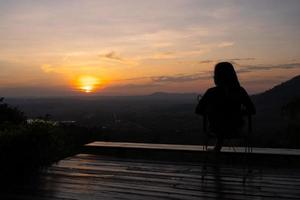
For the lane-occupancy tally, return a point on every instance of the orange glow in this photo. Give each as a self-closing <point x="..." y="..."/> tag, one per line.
<point x="88" y="84"/>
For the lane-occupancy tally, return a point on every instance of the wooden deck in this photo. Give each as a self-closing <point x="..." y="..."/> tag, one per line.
<point x="107" y="176"/>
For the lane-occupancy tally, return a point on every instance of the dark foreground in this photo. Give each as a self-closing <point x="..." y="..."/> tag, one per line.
<point x="96" y="176"/>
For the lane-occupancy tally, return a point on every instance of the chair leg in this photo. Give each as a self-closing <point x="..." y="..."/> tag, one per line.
<point x="204" y="166"/>
<point x="232" y="146"/>
<point x="248" y="149"/>
<point x="205" y="144"/>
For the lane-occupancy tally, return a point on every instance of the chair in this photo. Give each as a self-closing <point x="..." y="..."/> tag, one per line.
<point x="246" y="138"/>
<point x="246" y="143"/>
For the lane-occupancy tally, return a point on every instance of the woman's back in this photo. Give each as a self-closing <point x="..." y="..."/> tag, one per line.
<point x="224" y="108"/>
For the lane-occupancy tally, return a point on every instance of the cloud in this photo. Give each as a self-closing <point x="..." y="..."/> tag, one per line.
<point x="170" y="36"/>
<point x="131" y="86"/>
<point x="206" y="61"/>
<point x="181" y="77"/>
<point x="170" y="78"/>
<point x="274" y="80"/>
<point x="131" y="89"/>
<point x="229" y="60"/>
<point x="162" y="44"/>
<point x="241" y="59"/>
<point x="111" y="55"/>
<point x="226" y="44"/>
<point x="164" y="55"/>
<point x="252" y="68"/>
<point x="47" y="68"/>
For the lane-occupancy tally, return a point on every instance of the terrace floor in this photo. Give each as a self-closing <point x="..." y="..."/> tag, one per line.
<point x="115" y="175"/>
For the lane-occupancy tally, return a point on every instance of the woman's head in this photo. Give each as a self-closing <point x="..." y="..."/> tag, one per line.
<point x="225" y="75"/>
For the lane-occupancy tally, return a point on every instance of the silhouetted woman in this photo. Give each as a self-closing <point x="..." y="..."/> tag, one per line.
<point x="225" y="104"/>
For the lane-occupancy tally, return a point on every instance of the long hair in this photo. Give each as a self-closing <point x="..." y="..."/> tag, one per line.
<point x="225" y="75"/>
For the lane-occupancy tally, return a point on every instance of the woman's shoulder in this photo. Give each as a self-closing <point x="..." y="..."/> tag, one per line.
<point x="210" y="91"/>
<point x="242" y="90"/>
<point x="243" y="93"/>
<point x="220" y="91"/>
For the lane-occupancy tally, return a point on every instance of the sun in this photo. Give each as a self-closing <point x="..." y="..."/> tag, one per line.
<point x="87" y="88"/>
<point x="88" y="84"/>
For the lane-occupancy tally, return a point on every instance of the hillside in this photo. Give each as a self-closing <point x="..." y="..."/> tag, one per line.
<point x="272" y="125"/>
<point x="280" y="94"/>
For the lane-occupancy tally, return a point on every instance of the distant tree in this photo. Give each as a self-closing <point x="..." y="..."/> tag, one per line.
<point x="291" y="111"/>
<point x="9" y="114"/>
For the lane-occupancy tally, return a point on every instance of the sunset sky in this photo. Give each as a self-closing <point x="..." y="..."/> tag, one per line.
<point x="134" y="47"/>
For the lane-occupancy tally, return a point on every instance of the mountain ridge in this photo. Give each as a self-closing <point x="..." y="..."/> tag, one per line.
<point x="280" y="94"/>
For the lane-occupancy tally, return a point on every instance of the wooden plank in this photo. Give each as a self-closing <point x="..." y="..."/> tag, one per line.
<point x="194" y="153"/>
<point x="192" y="147"/>
<point x="130" y="167"/>
<point x="185" y="184"/>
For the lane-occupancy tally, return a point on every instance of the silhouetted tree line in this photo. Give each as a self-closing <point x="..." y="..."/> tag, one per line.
<point x="10" y="115"/>
<point x="27" y="147"/>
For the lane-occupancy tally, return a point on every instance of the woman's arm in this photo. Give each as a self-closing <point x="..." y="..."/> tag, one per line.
<point x="201" y="107"/>
<point x="247" y="102"/>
